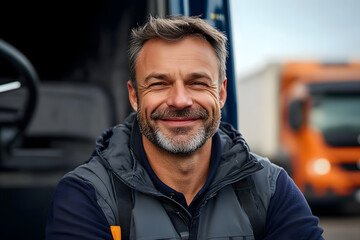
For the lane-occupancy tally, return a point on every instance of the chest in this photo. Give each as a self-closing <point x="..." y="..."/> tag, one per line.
<point x="220" y="216"/>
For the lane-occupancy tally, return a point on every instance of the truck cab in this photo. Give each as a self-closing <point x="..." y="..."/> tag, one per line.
<point x="320" y="128"/>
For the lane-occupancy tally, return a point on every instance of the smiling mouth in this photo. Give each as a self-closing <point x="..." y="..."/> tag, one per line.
<point x="183" y="115"/>
<point x="179" y="121"/>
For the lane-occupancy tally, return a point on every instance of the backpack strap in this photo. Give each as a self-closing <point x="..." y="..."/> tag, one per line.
<point x="125" y="204"/>
<point x="123" y="197"/>
<point x="245" y="190"/>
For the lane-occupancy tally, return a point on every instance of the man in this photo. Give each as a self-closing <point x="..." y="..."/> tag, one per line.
<point x="172" y="170"/>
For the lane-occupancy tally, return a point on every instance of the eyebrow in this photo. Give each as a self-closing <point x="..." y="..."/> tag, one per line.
<point x="164" y="76"/>
<point x="199" y="75"/>
<point x="157" y="76"/>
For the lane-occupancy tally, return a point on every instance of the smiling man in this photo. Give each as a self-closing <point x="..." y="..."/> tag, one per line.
<point x="172" y="170"/>
<point x="178" y="93"/>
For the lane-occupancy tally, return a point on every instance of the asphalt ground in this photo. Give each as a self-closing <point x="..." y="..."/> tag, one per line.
<point x="340" y="228"/>
<point x="340" y="222"/>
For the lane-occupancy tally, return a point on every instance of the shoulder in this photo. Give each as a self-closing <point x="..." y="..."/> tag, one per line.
<point x="74" y="211"/>
<point x="289" y="215"/>
<point x="94" y="174"/>
<point x="91" y="172"/>
<point x="266" y="178"/>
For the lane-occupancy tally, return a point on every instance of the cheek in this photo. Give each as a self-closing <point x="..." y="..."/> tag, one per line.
<point x="149" y="102"/>
<point x="215" y="97"/>
<point x="209" y="101"/>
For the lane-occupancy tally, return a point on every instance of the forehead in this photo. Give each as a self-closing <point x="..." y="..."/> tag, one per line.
<point x="189" y="52"/>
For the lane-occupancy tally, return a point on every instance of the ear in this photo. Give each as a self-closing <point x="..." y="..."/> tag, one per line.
<point x="223" y="93"/>
<point x="132" y="96"/>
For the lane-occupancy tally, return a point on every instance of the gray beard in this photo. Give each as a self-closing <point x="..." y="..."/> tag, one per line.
<point x="180" y="147"/>
<point x="167" y="143"/>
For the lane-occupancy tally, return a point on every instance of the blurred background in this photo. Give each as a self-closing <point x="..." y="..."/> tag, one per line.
<point x="293" y="92"/>
<point x="298" y="98"/>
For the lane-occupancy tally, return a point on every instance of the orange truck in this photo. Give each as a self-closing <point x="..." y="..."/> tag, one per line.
<point x="305" y="116"/>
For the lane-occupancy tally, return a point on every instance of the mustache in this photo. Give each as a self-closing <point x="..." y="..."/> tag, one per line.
<point x="199" y="113"/>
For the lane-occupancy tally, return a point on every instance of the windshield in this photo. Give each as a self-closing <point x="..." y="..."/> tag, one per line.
<point x="336" y="112"/>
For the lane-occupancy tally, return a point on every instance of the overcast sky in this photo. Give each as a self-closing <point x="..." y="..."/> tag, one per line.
<point x="267" y="31"/>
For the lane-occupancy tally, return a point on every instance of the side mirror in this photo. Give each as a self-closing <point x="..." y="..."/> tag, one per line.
<point x="295" y="116"/>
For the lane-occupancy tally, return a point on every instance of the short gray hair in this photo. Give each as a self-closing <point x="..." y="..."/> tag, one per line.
<point x="175" y="28"/>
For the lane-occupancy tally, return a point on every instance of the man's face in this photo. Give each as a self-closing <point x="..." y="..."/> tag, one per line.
<point x="179" y="100"/>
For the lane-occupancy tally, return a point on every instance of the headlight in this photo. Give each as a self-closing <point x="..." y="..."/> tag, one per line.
<point x="320" y="166"/>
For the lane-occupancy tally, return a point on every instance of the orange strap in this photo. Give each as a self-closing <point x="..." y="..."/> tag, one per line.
<point x="116" y="232"/>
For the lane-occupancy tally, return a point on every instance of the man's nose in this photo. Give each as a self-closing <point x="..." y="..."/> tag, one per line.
<point x="179" y="97"/>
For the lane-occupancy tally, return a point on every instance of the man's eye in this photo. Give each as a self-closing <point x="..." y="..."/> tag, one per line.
<point x="156" y="84"/>
<point x="199" y="84"/>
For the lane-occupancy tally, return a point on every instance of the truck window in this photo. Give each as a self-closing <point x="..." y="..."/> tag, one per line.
<point x="337" y="116"/>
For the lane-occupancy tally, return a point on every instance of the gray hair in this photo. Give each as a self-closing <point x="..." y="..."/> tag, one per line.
<point x="176" y="28"/>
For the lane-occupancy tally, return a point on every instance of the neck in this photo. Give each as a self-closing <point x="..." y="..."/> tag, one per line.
<point x="186" y="173"/>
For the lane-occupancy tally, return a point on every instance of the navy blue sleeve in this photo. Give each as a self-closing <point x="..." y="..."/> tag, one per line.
<point x="75" y="214"/>
<point x="289" y="216"/>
